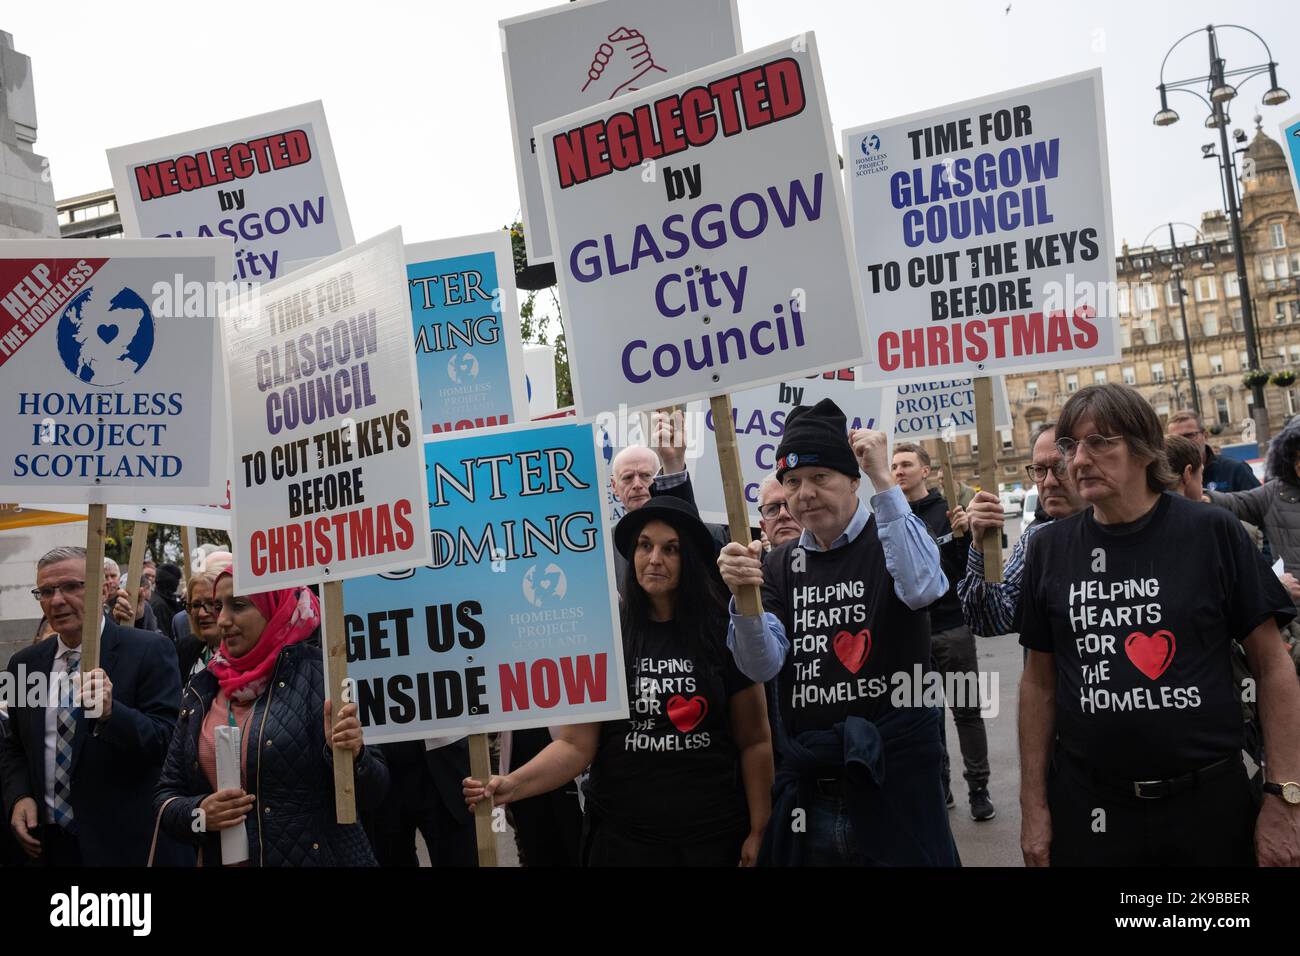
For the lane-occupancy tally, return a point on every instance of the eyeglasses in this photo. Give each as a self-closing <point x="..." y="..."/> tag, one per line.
<point x="1038" y="473"/>
<point x="1096" y="445"/>
<point x="212" y="607"/>
<point x="771" y="510"/>
<point x="66" y="588"/>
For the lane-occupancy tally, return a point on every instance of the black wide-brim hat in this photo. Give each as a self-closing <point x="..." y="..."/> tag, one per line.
<point x="678" y="513"/>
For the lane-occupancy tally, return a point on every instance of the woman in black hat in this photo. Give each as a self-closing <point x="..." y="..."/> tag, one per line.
<point x="686" y="781"/>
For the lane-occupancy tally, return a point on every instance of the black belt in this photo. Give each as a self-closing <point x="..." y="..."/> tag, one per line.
<point x="1158" y="789"/>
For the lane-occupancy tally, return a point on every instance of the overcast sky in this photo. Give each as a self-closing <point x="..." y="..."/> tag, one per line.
<point x="415" y="93"/>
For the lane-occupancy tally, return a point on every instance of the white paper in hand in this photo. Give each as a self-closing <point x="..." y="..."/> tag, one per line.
<point x="234" y="841"/>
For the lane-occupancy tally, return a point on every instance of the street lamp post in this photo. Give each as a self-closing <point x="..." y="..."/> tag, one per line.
<point x="1176" y="269"/>
<point x="1220" y="93"/>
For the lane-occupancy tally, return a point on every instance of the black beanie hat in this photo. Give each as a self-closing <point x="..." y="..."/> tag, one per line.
<point x="816" y="436"/>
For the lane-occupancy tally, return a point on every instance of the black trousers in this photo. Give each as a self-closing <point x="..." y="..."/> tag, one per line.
<point x="607" y="845"/>
<point x="1096" y="824"/>
<point x="548" y="827"/>
<point x="953" y="652"/>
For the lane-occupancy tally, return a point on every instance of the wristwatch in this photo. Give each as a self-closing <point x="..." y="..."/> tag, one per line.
<point x="1289" y="791"/>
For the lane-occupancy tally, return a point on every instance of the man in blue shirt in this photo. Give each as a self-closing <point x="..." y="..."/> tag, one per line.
<point x="846" y="640"/>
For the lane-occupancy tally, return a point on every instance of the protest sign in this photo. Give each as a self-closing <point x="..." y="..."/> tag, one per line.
<point x="566" y="58"/>
<point x="1290" y="132"/>
<point x="267" y="182"/>
<point x="931" y="409"/>
<point x="983" y="234"/>
<point x="700" y="234"/>
<point x="467" y="349"/>
<point x="212" y="517"/>
<point x="539" y="379"/>
<point x="512" y="622"/>
<point x="109" y="382"/>
<point x="759" y="423"/>
<point x="325" y="423"/>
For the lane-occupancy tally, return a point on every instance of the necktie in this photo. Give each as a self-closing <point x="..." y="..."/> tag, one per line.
<point x="66" y="725"/>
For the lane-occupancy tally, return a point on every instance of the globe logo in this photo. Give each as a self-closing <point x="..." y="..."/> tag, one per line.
<point x="870" y="144"/>
<point x="546" y="586"/>
<point x="105" y="344"/>
<point x="462" y="368"/>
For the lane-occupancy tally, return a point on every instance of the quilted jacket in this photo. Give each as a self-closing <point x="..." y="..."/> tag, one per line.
<point x="290" y="771"/>
<point x="1275" y="507"/>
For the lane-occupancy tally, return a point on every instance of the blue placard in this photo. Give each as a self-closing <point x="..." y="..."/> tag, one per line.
<point x="467" y="349"/>
<point x="514" y="624"/>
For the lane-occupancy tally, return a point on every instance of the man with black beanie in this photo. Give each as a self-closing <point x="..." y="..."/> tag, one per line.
<point x="844" y="637"/>
<point x="166" y="603"/>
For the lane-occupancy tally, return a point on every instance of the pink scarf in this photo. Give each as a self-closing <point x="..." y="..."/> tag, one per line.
<point x="292" y="614"/>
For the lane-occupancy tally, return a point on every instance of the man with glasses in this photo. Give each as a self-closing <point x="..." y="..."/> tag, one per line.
<point x="80" y="763"/>
<point x="987" y="607"/>
<point x="1221" y="474"/>
<point x="774" y="517"/>
<point x="1131" y="729"/>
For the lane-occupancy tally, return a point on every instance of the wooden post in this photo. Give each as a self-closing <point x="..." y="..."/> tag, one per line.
<point x="949" y="479"/>
<point x="750" y="601"/>
<point x="480" y="768"/>
<point x="185" y="559"/>
<point x="988" y="472"/>
<point x="139" y="538"/>
<point x="345" y="796"/>
<point x="93" y="606"/>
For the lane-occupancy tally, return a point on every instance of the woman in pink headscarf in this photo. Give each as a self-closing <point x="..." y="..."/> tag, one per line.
<point x="267" y="679"/>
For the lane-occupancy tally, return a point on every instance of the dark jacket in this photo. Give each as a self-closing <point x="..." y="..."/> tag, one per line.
<point x="116" y="760"/>
<point x="164" y="609"/>
<point x="290" y="771"/>
<point x="1226" y="474"/>
<point x="945" y="613"/>
<point x="898" y="816"/>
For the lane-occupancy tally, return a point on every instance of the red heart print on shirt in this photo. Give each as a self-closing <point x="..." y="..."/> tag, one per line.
<point x="686" y="714"/>
<point x="1152" y="654"/>
<point x="852" y="649"/>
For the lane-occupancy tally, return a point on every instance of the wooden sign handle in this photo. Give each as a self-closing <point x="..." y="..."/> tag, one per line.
<point x="139" y="539"/>
<point x="480" y="768"/>
<point x="988" y="434"/>
<point x="345" y="795"/>
<point x="93" y="606"/>
<point x="185" y="559"/>
<point x="749" y="602"/>
<point x="949" y="481"/>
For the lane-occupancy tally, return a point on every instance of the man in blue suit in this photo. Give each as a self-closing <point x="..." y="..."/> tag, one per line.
<point x="78" y="772"/>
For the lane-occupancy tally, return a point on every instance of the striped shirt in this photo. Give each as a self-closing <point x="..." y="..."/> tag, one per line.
<point x="990" y="609"/>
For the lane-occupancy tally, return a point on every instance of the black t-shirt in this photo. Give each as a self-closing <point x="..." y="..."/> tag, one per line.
<point x="1140" y="618"/>
<point x="850" y="636"/>
<point x="672" y="771"/>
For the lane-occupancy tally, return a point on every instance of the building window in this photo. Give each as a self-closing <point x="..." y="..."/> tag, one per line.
<point x="1123" y="297"/>
<point x="1071" y="383"/>
<point x="1182" y="367"/>
<point x="1176" y="328"/>
<point x="1278" y="234"/>
<point x="1292" y="401"/>
<point x="1295" y="355"/>
<point x="1243" y="359"/>
<point x="1266" y="268"/>
<point x="1171" y="293"/>
<point x="1157" y="372"/>
<point x="1209" y="323"/>
<point x="1099" y="378"/>
<point x="1237" y="324"/>
<point x="1031" y="388"/>
<point x="1125" y="336"/>
<point x="1146" y="298"/>
<point x="1206" y="290"/>
<point x="1221" y="411"/>
<point x="1130" y="375"/>
<point x="1216" y="364"/>
<point x="1005" y="434"/>
<point x="1231" y="285"/>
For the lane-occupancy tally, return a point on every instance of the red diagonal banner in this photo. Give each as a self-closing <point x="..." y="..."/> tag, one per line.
<point x="34" y="291"/>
